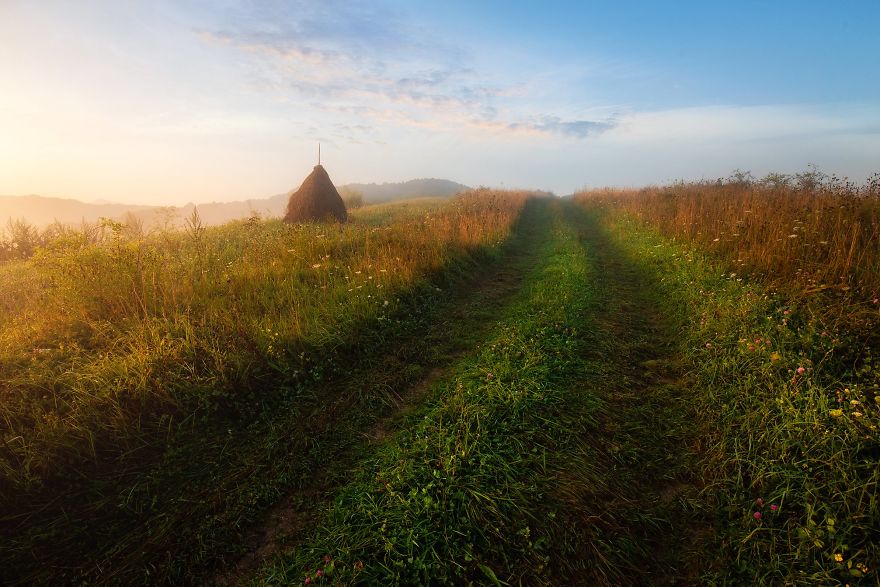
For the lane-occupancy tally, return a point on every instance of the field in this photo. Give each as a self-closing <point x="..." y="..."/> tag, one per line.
<point x="673" y="385"/>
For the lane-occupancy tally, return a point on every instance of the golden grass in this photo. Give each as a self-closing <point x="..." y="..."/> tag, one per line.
<point x="105" y="339"/>
<point x="810" y="238"/>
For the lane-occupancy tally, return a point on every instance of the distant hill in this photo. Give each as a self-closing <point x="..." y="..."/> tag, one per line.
<point x="42" y="211"/>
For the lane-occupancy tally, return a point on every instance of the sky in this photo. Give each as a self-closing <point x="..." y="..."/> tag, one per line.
<point x="168" y="102"/>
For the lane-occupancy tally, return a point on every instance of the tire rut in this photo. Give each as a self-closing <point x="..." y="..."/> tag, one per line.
<point x="642" y="437"/>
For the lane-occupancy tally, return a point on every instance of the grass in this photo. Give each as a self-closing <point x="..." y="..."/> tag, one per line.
<point x="103" y="343"/>
<point x="457" y="495"/>
<point x="507" y="476"/>
<point x="811" y="233"/>
<point x="786" y="391"/>
<point x="117" y="382"/>
<point x="494" y="390"/>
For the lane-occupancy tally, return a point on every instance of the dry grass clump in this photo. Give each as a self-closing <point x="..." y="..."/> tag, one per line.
<point x="810" y="232"/>
<point x="106" y="342"/>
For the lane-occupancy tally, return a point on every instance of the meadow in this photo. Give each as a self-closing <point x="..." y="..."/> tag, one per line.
<point x="500" y="388"/>
<point x="114" y="341"/>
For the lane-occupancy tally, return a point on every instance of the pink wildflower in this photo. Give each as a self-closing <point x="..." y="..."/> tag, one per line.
<point x="757" y="515"/>
<point x="774" y="507"/>
<point x="308" y="580"/>
<point x="319" y="573"/>
<point x="800" y="370"/>
<point x="759" y="502"/>
<point x="757" y="341"/>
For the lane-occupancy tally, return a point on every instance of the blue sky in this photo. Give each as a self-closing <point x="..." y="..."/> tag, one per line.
<point x="167" y="102"/>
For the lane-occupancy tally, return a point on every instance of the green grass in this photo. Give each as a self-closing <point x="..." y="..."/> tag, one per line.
<point x="788" y="413"/>
<point x="457" y="494"/>
<point x="380" y="214"/>
<point x="508" y="476"/>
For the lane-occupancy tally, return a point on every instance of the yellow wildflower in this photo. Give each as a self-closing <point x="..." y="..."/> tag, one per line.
<point x="838" y="557"/>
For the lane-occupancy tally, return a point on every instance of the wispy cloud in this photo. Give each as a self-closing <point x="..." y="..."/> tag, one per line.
<point x="370" y="63"/>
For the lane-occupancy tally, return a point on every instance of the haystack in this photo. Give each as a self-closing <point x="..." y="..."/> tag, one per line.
<point x="316" y="199"/>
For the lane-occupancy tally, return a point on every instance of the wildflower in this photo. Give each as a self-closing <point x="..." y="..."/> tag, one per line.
<point x="319" y="573"/>
<point x="759" y="502"/>
<point x="708" y="345"/>
<point x="857" y="414"/>
<point x="327" y="559"/>
<point x="308" y="580"/>
<point x="800" y="370"/>
<point x="358" y="566"/>
<point x="838" y="557"/>
<point x="775" y="357"/>
<point x="757" y="341"/>
<point x="836" y="413"/>
<point x="316" y="265"/>
<point x="757" y="515"/>
<point x="774" y="507"/>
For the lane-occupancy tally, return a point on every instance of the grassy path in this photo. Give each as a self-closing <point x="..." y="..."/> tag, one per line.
<point x="531" y="425"/>
<point x="555" y="452"/>
<point x="403" y="378"/>
<point x="647" y="521"/>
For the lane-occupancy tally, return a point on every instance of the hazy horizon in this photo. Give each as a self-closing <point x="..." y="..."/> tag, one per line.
<point x="166" y="103"/>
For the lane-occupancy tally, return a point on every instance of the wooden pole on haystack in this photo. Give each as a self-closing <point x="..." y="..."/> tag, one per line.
<point x="319" y="153"/>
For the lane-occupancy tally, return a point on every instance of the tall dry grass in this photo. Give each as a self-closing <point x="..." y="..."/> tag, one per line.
<point x="809" y="232"/>
<point x="109" y="340"/>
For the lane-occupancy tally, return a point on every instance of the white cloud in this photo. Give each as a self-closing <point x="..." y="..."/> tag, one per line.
<point x="385" y="76"/>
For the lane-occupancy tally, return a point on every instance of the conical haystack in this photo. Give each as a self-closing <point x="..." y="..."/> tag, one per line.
<point x="316" y="199"/>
